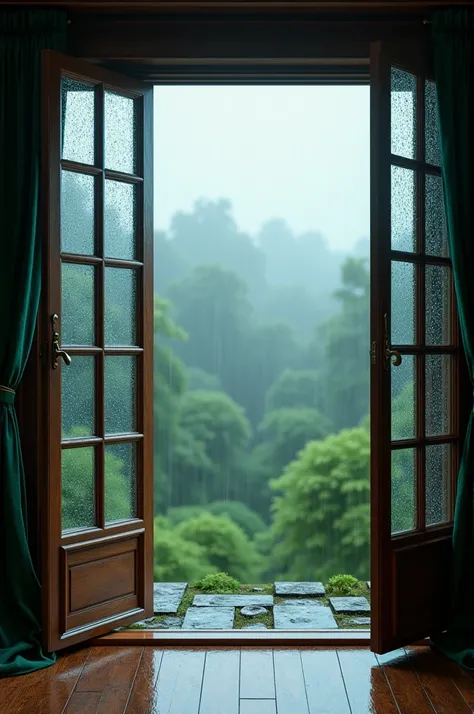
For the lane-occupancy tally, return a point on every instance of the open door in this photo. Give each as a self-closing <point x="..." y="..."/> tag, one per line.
<point x="417" y="370"/>
<point x="96" y="323"/>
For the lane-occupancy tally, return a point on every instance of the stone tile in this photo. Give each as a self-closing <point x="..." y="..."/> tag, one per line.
<point x="349" y="605"/>
<point x="303" y="617"/>
<point x="253" y="611"/>
<point x="304" y="601"/>
<point x="359" y="621"/>
<point x="300" y="588"/>
<point x="209" y="618"/>
<point x="169" y="623"/>
<point x="167" y="597"/>
<point x="232" y="600"/>
<point x="255" y="626"/>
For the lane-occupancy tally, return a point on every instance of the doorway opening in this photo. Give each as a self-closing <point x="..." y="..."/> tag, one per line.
<point x="261" y="364"/>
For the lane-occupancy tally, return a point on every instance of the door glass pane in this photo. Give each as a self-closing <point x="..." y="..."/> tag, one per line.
<point x="78" y="488"/>
<point x="77" y="319"/>
<point x="403" y="490"/>
<point x="77" y="399"/>
<point x="403" y="399"/>
<point x="120" y="133"/>
<point x="432" y="147"/>
<point x="438" y="395"/>
<point x="438" y="301"/>
<point x="403" y="110"/>
<point x="77" y="107"/>
<point x="438" y="483"/>
<point x="403" y="303"/>
<point x="120" y="306"/>
<point x="436" y="230"/>
<point x="403" y="209"/>
<point x="120" y="394"/>
<point x="77" y="213"/>
<point x="120" y="482"/>
<point x="119" y="220"/>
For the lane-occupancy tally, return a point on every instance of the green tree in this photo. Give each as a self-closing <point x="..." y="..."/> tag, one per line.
<point x="342" y="345"/>
<point x="238" y="512"/>
<point x="176" y="558"/>
<point x="217" y="423"/>
<point x="225" y="544"/>
<point x="295" y="388"/>
<point x="322" y="511"/>
<point x="286" y="431"/>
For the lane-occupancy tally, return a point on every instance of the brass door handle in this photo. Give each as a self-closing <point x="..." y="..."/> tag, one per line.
<point x="394" y="357"/>
<point x="391" y="356"/>
<point x="57" y="351"/>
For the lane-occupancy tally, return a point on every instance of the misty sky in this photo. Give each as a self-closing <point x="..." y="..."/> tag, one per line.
<point x="299" y="153"/>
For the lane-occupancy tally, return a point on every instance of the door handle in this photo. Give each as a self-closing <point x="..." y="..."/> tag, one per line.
<point x="392" y="356"/>
<point x="57" y="351"/>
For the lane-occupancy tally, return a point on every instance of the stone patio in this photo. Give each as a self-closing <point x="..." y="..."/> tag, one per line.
<point x="305" y="606"/>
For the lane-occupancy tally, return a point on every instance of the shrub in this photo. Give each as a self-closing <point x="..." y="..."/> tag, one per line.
<point x="218" y="583"/>
<point x="342" y="585"/>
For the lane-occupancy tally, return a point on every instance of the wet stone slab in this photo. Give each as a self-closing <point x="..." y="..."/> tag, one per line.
<point x="306" y="616"/>
<point x="255" y="626"/>
<point x="209" y="618"/>
<point x="167" y="597"/>
<point x="349" y="605"/>
<point x="300" y="588"/>
<point x="359" y="621"/>
<point x="232" y="600"/>
<point x="301" y="602"/>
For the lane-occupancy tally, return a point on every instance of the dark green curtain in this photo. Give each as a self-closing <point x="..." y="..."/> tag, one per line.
<point x="453" y="44"/>
<point x="23" y="35"/>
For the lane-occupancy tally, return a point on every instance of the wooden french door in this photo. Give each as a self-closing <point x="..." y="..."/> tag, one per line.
<point x="97" y="327"/>
<point x="417" y="405"/>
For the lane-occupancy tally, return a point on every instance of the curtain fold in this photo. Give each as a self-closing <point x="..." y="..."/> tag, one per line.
<point x="453" y="46"/>
<point x="23" y="35"/>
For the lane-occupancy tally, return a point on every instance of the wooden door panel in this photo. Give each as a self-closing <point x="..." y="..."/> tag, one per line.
<point x="97" y="509"/>
<point x="418" y="412"/>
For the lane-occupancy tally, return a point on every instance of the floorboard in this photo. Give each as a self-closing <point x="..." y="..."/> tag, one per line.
<point x="437" y="682"/>
<point x="324" y="683"/>
<point x="289" y="682"/>
<point x="220" y="685"/>
<point x="258" y="706"/>
<point x="257" y="676"/>
<point x="136" y="680"/>
<point x="179" y="683"/>
<point x="367" y="687"/>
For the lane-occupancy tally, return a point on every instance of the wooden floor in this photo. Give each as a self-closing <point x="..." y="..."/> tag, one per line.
<point x="114" y="680"/>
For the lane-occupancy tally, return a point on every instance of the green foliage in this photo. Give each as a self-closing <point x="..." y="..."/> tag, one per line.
<point x="342" y="585"/>
<point x="177" y="559"/>
<point x="322" y="515"/>
<point x="218" y="583"/>
<point x="295" y="388"/>
<point x="288" y="430"/>
<point x="250" y="522"/>
<point x="226" y="546"/>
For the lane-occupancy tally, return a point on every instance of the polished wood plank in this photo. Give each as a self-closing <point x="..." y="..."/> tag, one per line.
<point x="116" y="694"/>
<point x="404" y="683"/>
<point x="142" y="696"/>
<point x="258" y="706"/>
<point x="437" y="682"/>
<point x="257" y="676"/>
<point x="289" y="682"/>
<point x="325" y="688"/>
<point x="366" y="685"/>
<point x="46" y="691"/>
<point x="220" y="685"/>
<point x="178" y="688"/>
<point x="105" y="664"/>
<point x="83" y="703"/>
<point x="462" y="678"/>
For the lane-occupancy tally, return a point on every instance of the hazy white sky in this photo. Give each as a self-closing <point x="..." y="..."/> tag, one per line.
<point x="298" y="153"/>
